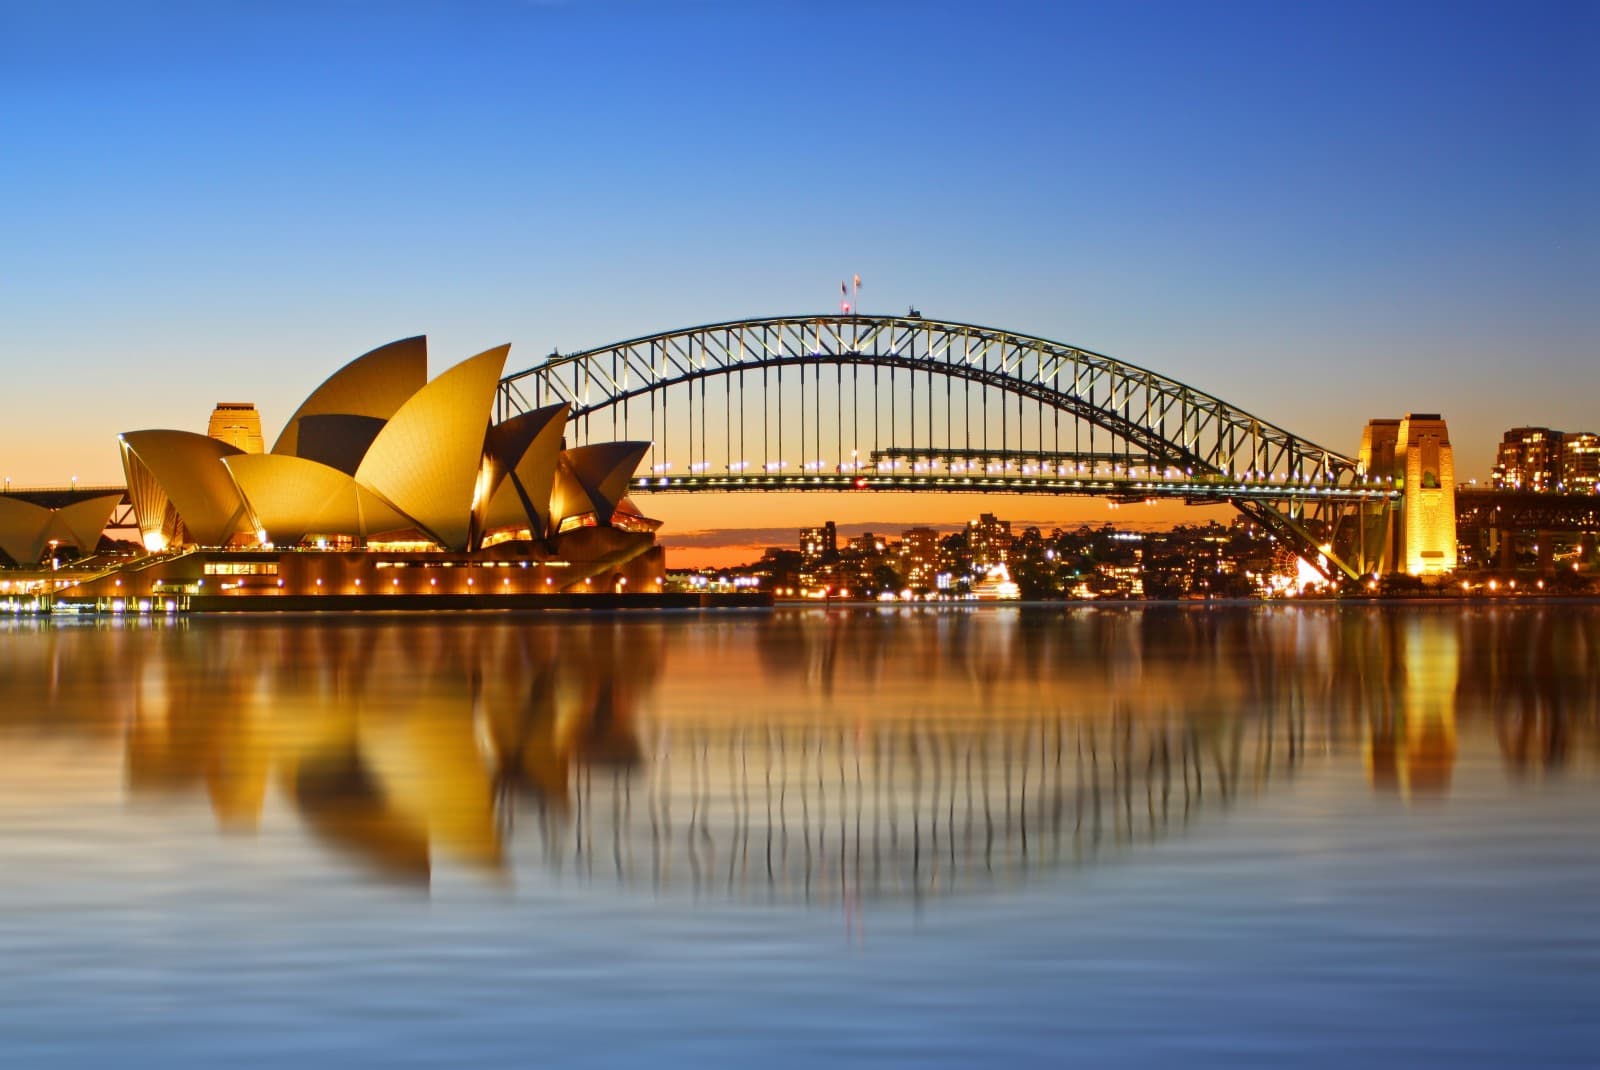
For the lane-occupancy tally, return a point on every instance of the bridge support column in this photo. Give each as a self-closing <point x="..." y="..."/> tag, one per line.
<point x="1508" y="550"/>
<point x="1479" y="541"/>
<point x="1588" y="555"/>
<point x="1547" y="552"/>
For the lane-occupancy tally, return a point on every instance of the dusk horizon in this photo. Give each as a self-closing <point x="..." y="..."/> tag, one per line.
<point x="711" y="533"/>
<point x="202" y="219"/>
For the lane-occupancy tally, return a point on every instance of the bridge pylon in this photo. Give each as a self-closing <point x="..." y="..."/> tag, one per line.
<point x="1416" y="534"/>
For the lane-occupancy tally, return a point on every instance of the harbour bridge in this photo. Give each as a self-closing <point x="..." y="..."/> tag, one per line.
<point x="907" y="403"/>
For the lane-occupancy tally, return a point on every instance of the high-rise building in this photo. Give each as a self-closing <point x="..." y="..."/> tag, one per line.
<point x="989" y="540"/>
<point x="867" y="545"/>
<point x="819" y="557"/>
<point x="1544" y="459"/>
<point x="1427" y="465"/>
<point x="819" y="545"/>
<point x="1580" y="462"/>
<point x="1529" y="458"/>
<point x="919" y="548"/>
<point x="238" y="424"/>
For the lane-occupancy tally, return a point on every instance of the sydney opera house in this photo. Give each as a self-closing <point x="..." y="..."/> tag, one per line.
<point x="382" y="484"/>
<point x="35" y="521"/>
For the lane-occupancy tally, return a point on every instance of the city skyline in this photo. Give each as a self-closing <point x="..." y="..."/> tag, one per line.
<point x="1398" y="244"/>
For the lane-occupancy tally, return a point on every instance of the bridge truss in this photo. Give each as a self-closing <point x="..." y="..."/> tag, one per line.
<point x="831" y="403"/>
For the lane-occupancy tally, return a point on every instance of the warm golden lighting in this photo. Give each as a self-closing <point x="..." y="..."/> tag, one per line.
<point x="1424" y="455"/>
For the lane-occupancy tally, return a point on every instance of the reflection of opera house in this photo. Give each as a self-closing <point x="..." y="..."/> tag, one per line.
<point x="383" y="483"/>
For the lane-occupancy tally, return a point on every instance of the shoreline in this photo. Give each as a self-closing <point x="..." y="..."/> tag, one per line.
<point x="1202" y="603"/>
<point x="189" y="605"/>
<point x="681" y="602"/>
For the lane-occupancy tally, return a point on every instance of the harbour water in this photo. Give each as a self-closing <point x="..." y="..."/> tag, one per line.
<point x="1253" y="836"/>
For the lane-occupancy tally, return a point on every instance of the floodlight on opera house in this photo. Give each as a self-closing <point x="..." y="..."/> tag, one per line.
<point x="378" y="454"/>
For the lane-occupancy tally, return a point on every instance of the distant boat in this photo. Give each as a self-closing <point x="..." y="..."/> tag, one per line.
<point x="996" y="586"/>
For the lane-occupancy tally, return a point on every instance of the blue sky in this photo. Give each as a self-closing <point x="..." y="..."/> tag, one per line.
<point x="1320" y="212"/>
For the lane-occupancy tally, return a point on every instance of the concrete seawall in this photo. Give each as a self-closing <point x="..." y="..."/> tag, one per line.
<point x="361" y="603"/>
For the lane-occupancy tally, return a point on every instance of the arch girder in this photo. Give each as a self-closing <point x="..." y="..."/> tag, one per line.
<point x="1163" y="417"/>
<point x="1217" y="434"/>
<point x="1106" y="418"/>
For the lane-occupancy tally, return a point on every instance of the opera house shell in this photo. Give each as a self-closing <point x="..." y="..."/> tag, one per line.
<point x="32" y="522"/>
<point x="381" y="458"/>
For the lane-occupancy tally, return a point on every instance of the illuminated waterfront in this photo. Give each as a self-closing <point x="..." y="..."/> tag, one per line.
<point x="1009" y="833"/>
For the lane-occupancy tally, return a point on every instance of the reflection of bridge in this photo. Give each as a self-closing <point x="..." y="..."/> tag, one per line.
<point x="801" y="755"/>
<point x="905" y="808"/>
<point x="906" y="403"/>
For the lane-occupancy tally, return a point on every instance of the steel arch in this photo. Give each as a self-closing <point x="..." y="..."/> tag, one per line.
<point x="1170" y="423"/>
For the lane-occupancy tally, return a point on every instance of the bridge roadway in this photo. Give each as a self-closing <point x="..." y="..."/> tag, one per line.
<point x="1525" y="510"/>
<point x="1507" y="525"/>
<point x="1120" y="488"/>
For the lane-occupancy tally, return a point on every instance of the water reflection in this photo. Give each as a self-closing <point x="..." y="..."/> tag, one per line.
<point x="801" y="755"/>
<point x="1411" y="743"/>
